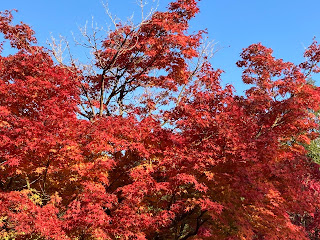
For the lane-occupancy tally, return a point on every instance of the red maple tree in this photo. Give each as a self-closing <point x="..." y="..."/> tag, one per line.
<point x="94" y="156"/>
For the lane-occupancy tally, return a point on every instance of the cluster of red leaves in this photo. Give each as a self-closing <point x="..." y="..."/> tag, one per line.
<point x="227" y="167"/>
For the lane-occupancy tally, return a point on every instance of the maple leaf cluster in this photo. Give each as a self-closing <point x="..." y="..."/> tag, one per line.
<point x="95" y="156"/>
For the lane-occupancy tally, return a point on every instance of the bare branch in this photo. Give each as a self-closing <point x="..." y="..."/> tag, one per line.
<point x="58" y="48"/>
<point x="89" y="100"/>
<point x="113" y="19"/>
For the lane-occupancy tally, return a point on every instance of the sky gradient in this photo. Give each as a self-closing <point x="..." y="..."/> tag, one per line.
<point x="285" y="26"/>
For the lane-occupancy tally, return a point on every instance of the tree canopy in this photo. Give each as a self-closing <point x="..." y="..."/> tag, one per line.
<point x="147" y="144"/>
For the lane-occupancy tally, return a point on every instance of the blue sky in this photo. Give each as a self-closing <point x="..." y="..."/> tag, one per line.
<point x="287" y="26"/>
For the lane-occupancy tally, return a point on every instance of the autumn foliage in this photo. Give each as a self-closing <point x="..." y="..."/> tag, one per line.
<point x="94" y="155"/>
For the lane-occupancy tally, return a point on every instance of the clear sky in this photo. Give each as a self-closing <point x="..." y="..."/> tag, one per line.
<point x="287" y="26"/>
